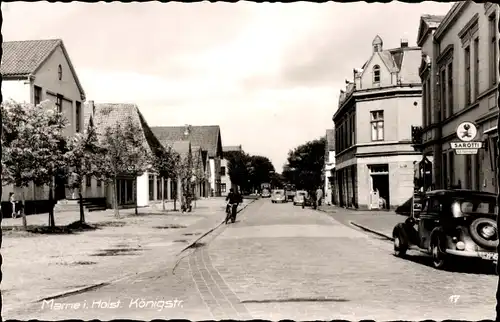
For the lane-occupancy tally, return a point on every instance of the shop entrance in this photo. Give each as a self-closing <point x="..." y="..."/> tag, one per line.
<point x="379" y="175"/>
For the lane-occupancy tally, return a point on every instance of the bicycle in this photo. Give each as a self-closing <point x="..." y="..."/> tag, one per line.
<point x="231" y="212"/>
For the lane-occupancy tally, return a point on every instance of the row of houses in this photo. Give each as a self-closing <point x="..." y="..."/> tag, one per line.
<point x="38" y="70"/>
<point x="399" y="113"/>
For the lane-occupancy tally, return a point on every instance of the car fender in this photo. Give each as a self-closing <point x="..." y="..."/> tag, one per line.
<point x="436" y="233"/>
<point x="400" y="229"/>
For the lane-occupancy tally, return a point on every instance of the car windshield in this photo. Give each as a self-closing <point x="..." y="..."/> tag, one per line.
<point x="278" y="192"/>
<point x="478" y="205"/>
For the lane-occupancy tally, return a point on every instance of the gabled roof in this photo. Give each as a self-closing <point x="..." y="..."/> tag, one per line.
<point x="427" y="22"/>
<point x="207" y="136"/>
<point x="109" y="114"/>
<point x="183" y="148"/>
<point x="24" y="58"/>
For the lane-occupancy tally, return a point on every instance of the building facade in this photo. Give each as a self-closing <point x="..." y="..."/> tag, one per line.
<point x="373" y="123"/>
<point x="34" y="71"/>
<point x="329" y="169"/>
<point x="208" y="138"/>
<point x="226" y="183"/>
<point x="459" y="73"/>
<point x="144" y="189"/>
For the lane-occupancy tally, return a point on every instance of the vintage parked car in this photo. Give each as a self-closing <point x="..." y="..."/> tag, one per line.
<point x="265" y="194"/>
<point x="278" y="195"/>
<point x="451" y="224"/>
<point x="299" y="198"/>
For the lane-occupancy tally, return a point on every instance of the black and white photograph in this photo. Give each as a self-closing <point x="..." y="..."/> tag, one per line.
<point x="249" y="161"/>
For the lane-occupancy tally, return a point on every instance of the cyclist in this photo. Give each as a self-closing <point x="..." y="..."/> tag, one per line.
<point x="233" y="199"/>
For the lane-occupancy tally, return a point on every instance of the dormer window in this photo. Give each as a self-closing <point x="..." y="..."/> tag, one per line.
<point x="59" y="72"/>
<point x="376" y="74"/>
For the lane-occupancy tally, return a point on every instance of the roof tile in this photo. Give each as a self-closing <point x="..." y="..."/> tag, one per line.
<point x="109" y="114"/>
<point x="207" y="136"/>
<point x="24" y="57"/>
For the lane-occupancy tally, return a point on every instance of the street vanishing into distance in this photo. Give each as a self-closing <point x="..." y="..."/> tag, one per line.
<point x="279" y="261"/>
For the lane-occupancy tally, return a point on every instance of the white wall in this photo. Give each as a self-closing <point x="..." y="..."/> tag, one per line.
<point x="212" y="174"/>
<point x="18" y="91"/>
<point x="143" y="190"/>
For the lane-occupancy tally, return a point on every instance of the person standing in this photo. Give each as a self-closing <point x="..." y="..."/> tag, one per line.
<point x="319" y="195"/>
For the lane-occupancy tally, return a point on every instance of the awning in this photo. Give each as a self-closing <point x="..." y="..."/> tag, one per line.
<point x="490" y="130"/>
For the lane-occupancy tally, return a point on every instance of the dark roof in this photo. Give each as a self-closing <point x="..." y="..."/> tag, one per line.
<point x="207" y="136"/>
<point x="22" y="58"/>
<point x="109" y="114"/>
<point x="432" y="20"/>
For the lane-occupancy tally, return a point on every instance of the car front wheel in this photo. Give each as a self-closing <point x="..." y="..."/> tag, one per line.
<point x="400" y="246"/>
<point x="438" y="256"/>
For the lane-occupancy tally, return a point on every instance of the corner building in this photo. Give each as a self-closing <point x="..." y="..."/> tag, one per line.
<point x="373" y="126"/>
<point x="459" y="73"/>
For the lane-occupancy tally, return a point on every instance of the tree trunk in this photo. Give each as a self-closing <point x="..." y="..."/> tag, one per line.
<point x="23" y="213"/>
<point x="52" y="205"/>
<point x="115" y="198"/>
<point x="135" y="201"/>
<point x="163" y="193"/>
<point x="82" y="213"/>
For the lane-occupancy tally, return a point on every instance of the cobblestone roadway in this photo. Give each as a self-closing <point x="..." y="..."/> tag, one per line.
<point x="304" y="265"/>
<point x="283" y="262"/>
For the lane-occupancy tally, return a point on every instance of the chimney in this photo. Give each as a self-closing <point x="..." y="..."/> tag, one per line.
<point x="404" y="43"/>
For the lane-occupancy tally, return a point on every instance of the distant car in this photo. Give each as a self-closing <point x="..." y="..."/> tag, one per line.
<point x="299" y="198"/>
<point x="278" y="196"/>
<point x="451" y="223"/>
<point x="266" y="193"/>
<point x="290" y="194"/>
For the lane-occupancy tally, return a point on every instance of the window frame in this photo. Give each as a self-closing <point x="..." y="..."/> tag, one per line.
<point x="376" y="74"/>
<point x="59" y="72"/>
<point x="443" y="92"/>
<point x="222" y="170"/>
<point x="78" y="116"/>
<point x="88" y="181"/>
<point x="59" y="103"/>
<point x="467" y="76"/>
<point x="223" y="188"/>
<point x="377" y="117"/>
<point x="476" y="68"/>
<point x="449" y="80"/>
<point x="37" y="94"/>
<point x="493" y="50"/>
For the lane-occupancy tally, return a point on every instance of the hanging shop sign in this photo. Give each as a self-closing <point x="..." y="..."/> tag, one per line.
<point x="466" y="133"/>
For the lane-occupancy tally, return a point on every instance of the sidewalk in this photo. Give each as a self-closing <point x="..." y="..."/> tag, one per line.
<point x="41" y="265"/>
<point x="378" y="222"/>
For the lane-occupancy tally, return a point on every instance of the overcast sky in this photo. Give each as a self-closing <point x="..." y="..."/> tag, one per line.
<point x="268" y="74"/>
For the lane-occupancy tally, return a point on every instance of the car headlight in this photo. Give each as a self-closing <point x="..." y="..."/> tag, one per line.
<point x="455" y="210"/>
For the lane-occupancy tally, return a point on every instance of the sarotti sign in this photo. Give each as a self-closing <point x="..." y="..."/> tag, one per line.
<point x="466" y="132"/>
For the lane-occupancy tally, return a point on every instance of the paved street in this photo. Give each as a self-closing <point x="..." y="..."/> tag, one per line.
<point x="284" y="262"/>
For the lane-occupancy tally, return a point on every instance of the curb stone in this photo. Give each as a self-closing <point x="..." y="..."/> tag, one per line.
<point x="211" y="230"/>
<point x="371" y="231"/>
<point x="107" y="282"/>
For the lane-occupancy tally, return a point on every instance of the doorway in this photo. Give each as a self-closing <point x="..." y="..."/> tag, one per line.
<point x="380" y="182"/>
